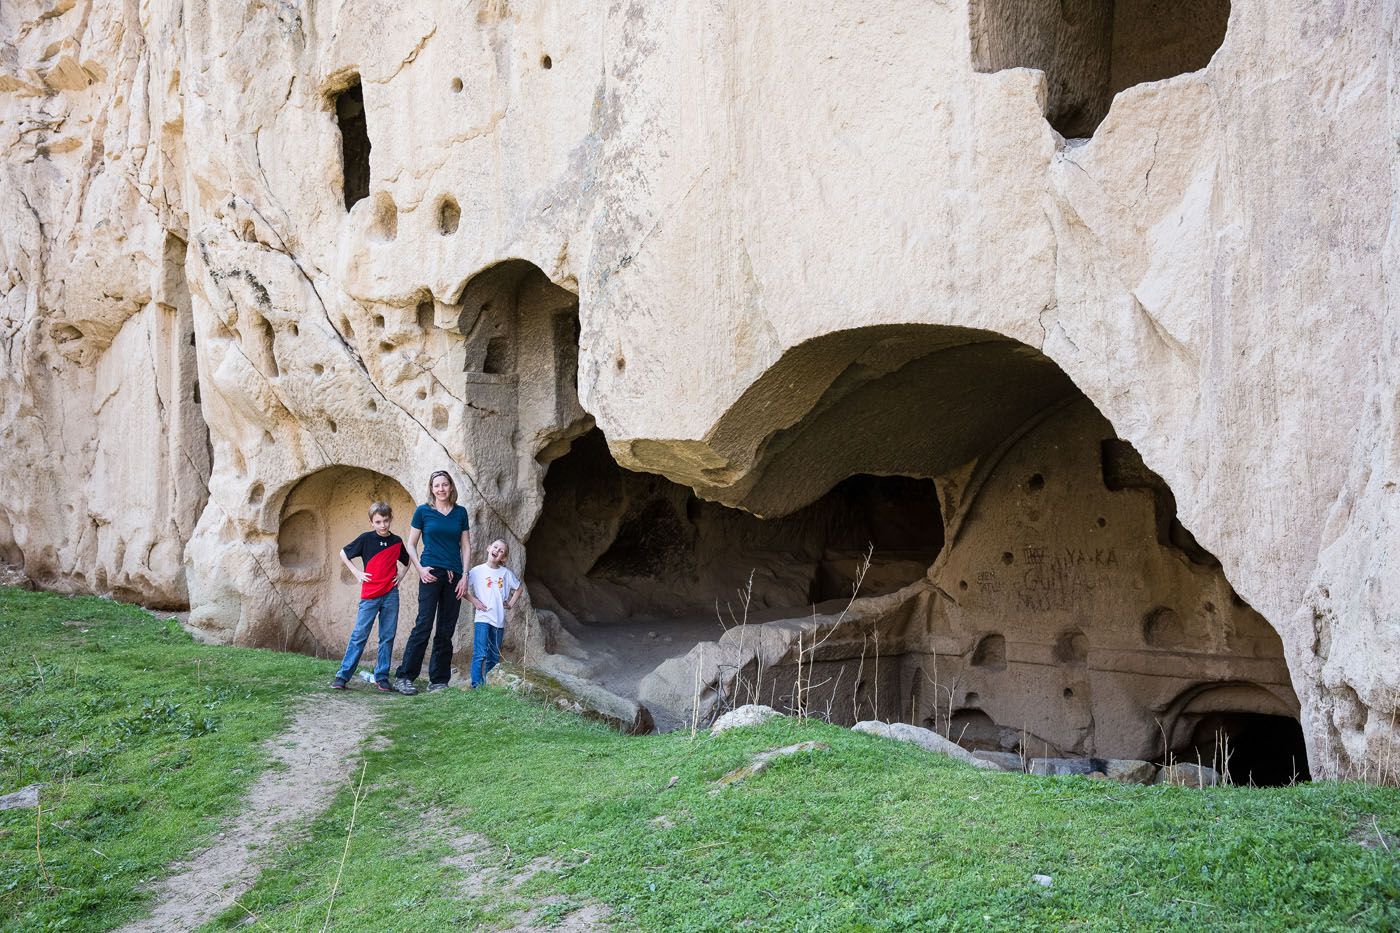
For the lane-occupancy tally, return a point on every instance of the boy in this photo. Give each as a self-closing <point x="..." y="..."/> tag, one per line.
<point x="493" y="590"/>
<point x="380" y="551"/>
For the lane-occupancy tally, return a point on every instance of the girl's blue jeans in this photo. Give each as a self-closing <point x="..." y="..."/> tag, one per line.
<point x="486" y="651"/>
<point x="387" y="608"/>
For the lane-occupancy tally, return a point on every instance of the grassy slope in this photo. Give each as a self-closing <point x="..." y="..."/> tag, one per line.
<point x="142" y="739"/>
<point x="866" y="835"/>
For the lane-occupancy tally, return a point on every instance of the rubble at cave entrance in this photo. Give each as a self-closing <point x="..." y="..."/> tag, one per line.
<point x="1030" y="589"/>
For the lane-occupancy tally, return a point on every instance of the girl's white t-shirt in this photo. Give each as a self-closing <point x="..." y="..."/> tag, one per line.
<point x="493" y="587"/>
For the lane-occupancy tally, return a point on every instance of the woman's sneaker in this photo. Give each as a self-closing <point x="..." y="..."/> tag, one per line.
<point x="338" y="683"/>
<point x="405" y="686"/>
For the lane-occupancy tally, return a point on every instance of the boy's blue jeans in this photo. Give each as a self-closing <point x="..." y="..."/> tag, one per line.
<point x="387" y="608"/>
<point x="486" y="651"/>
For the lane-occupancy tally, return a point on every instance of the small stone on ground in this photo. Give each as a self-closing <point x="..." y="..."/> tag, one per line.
<point x="23" y="799"/>
<point x="752" y="714"/>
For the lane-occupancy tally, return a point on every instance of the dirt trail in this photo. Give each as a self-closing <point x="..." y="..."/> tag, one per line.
<point x="312" y="760"/>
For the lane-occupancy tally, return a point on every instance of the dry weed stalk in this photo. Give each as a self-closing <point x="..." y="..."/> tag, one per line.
<point x="947" y="691"/>
<point x="695" y="705"/>
<point x="38" y="846"/>
<point x="354" y="813"/>
<point x="806" y="655"/>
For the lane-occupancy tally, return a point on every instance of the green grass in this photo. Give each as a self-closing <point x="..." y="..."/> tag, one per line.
<point x="142" y="740"/>
<point x="867" y="835"/>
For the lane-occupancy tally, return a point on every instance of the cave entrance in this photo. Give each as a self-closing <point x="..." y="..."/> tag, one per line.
<point x="1067" y="607"/>
<point x="1092" y="49"/>
<point x="1250" y="748"/>
<point x="641" y="569"/>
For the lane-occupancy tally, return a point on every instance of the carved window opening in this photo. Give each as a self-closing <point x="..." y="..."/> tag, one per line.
<point x="354" y="143"/>
<point x="1092" y="49"/>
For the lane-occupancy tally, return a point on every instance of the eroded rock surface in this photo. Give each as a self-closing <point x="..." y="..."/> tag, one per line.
<point x="261" y="263"/>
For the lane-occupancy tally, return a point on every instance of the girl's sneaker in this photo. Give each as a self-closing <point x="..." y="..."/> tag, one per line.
<point x="338" y="683"/>
<point x="383" y="686"/>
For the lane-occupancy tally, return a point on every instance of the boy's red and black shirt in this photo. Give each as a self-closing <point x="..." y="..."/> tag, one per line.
<point x="380" y="553"/>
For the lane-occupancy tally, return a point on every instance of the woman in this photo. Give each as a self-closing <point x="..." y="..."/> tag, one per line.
<point x="441" y="524"/>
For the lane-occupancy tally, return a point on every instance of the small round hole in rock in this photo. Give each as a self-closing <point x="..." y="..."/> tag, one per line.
<point x="456" y="85"/>
<point x="331" y="423"/>
<point x="972" y="697"/>
<point x="255" y="494"/>
<point x="962" y="584"/>
<point x="1069" y="693"/>
<point x="449" y="216"/>
<point x="317" y="369"/>
<point x="1036" y="483"/>
<point x="1102" y="522"/>
<point x="379" y="321"/>
<point x="546" y="62"/>
<point x="422" y="394"/>
<point x="1008" y="558"/>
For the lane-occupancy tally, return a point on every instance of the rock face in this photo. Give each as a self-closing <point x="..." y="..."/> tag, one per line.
<point x="264" y="263"/>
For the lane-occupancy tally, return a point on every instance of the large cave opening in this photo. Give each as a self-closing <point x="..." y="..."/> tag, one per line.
<point x="1092" y="49"/>
<point x="1033" y="589"/>
<point x="642" y="569"/>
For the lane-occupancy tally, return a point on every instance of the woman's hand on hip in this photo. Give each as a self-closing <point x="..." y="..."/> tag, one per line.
<point x="462" y="588"/>
<point x="427" y="575"/>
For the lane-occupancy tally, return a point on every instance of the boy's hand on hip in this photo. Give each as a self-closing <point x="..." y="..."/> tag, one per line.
<point x="362" y="576"/>
<point x="427" y="575"/>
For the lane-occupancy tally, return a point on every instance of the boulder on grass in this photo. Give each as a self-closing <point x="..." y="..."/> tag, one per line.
<point x="924" y="738"/>
<point x="752" y="714"/>
<point x="26" y="798"/>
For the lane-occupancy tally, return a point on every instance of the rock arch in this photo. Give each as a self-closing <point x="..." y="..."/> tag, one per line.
<point x="1050" y="557"/>
<point x="319" y="514"/>
<point x="1247" y="731"/>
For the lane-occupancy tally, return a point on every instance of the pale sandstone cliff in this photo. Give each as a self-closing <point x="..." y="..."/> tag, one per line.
<point x="744" y="219"/>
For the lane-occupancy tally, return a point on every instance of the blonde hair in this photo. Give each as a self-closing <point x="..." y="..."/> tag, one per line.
<point x="380" y="508"/>
<point x="501" y="542"/>
<point x="451" y="497"/>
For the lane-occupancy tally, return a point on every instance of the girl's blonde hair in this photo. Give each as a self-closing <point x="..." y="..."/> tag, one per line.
<point x="451" y="496"/>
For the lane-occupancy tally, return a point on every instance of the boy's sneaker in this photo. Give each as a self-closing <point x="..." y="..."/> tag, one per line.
<point x="405" y="686"/>
<point x="434" y="688"/>
<point x="338" y="683"/>
<point x="383" y="686"/>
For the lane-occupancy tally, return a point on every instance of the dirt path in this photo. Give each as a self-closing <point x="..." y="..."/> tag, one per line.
<point x="312" y="760"/>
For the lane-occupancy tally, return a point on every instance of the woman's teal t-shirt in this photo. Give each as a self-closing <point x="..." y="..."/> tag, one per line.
<point x="442" y="536"/>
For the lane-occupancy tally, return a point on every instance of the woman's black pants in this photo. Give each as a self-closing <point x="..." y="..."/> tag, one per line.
<point x="434" y="599"/>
